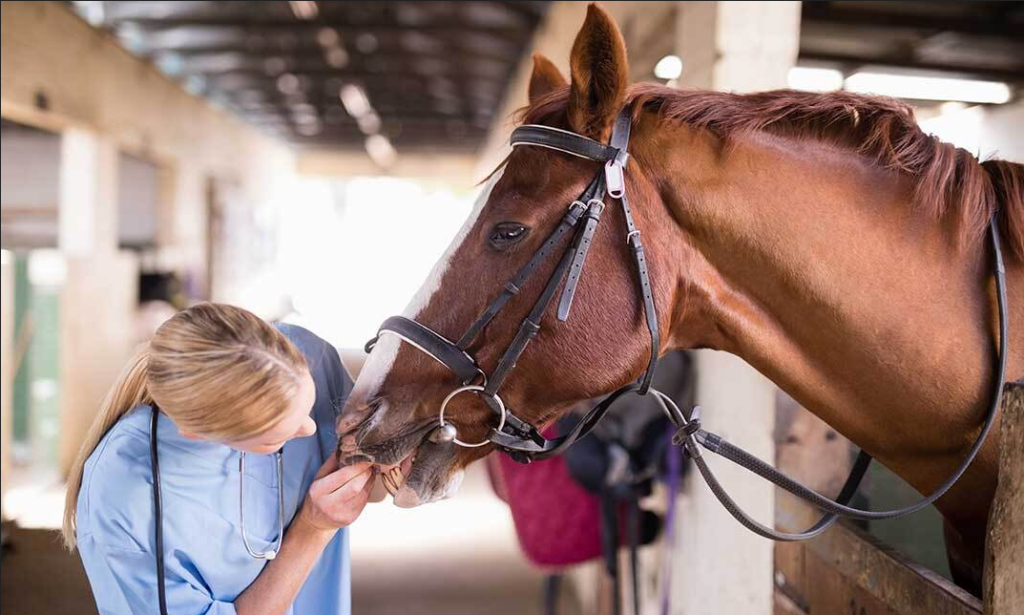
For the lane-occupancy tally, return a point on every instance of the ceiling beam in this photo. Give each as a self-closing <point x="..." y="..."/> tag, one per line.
<point x="448" y="29"/>
<point x="425" y="68"/>
<point x="312" y="50"/>
<point x="973" y="24"/>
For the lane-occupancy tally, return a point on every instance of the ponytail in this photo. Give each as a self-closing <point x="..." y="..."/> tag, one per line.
<point x="129" y="391"/>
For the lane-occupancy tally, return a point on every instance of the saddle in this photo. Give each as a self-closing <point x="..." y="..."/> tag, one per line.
<point x="586" y="504"/>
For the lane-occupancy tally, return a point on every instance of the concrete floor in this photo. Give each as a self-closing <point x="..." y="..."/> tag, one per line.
<point x="39" y="577"/>
<point x="455" y="557"/>
<point x="460" y="556"/>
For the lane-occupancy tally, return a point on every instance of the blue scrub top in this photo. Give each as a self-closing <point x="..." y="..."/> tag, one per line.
<point x="207" y="566"/>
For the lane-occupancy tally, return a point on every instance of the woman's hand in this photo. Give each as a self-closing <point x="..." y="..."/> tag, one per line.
<point x="337" y="496"/>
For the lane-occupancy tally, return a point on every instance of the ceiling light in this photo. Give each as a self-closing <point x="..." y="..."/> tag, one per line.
<point x="336" y="57"/>
<point x="380" y="150"/>
<point x="327" y="37"/>
<point x="355" y="100"/>
<point x="366" y="42"/>
<point x="304" y="9"/>
<point x="370" y="123"/>
<point x="929" y="88"/>
<point x="669" y="67"/>
<point x="288" y="83"/>
<point x="274" y="66"/>
<point x="815" y="79"/>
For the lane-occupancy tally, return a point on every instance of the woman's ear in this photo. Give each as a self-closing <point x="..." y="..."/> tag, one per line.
<point x="546" y="78"/>
<point x="600" y="74"/>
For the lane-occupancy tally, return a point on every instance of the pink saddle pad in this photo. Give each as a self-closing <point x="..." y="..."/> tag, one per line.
<point x="558" y="523"/>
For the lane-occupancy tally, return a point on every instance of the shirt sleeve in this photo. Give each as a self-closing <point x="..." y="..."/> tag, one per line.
<point x="124" y="582"/>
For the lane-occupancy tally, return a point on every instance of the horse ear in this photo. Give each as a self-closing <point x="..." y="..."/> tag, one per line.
<point x="600" y="74"/>
<point x="545" y="78"/>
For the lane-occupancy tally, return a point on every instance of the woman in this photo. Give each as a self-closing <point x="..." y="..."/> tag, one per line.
<point x="222" y="390"/>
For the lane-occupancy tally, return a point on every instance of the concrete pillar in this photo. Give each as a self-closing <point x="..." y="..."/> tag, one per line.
<point x="88" y="194"/>
<point x="724" y="568"/>
<point x="100" y="287"/>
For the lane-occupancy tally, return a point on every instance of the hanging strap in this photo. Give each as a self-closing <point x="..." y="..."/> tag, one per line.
<point x="595" y="207"/>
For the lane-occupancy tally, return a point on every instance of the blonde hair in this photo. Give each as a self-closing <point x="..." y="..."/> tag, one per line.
<point x="217" y="371"/>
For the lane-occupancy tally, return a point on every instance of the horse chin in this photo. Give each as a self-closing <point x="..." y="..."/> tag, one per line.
<point x="434" y="476"/>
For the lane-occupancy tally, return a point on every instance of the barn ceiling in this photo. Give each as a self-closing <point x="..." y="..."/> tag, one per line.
<point x="333" y="74"/>
<point x="970" y="39"/>
<point x="432" y="75"/>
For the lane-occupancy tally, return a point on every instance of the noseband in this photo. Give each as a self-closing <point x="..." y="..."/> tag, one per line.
<point x="524" y="443"/>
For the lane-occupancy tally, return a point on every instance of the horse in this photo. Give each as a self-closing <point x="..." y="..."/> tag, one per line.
<point x="824" y="238"/>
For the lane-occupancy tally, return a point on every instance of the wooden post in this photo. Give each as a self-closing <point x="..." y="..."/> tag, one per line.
<point x="1004" y="549"/>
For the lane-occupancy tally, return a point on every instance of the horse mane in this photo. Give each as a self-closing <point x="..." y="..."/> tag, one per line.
<point x="948" y="179"/>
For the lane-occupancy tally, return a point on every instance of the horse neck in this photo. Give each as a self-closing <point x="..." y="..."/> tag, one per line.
<point x="814" y="267"/>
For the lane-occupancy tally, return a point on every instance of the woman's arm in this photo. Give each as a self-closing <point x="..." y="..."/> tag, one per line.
<point x="335" y="500"/>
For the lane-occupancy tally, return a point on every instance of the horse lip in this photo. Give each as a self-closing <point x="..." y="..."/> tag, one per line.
<point x="429" y="475"/>
<point x="390" y="451"/>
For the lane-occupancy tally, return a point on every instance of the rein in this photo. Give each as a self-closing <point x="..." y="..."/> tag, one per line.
<point x="524" y="443"/>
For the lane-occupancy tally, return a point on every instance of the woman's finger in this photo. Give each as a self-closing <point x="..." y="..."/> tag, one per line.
<point x="346" y="492"/>
<point x="350" y="509"/>
<point x="333" y="481"/>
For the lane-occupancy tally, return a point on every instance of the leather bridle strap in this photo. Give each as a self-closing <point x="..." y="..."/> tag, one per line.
<point x="568" y="143"/>
<point x="547" y="448"/>
<point x="613" y="173"/>
<point x="431" y="343"/>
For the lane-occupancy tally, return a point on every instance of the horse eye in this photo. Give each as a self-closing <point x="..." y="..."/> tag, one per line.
<point x="505" y="234"/>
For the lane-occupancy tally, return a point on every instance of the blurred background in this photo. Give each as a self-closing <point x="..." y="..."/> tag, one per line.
<point x="156" y="154"/>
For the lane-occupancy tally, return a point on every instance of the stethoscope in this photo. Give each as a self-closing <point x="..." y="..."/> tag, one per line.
<point x="158" y="510"/>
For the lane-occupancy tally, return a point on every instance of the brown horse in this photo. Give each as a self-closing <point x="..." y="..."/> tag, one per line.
<point x="823" y="238"/>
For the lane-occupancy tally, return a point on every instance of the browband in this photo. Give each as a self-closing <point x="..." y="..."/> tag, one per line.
<point x="569" y="143"/>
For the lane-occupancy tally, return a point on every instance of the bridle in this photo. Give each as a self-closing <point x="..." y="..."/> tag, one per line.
<point x="518" y="438"/>
<point x="524" y="443"/>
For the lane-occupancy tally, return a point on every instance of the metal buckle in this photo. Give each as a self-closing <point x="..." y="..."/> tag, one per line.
<point x="629" y="235"/>
<point x="476" y="389"/>
<point x="614" y="180"/>
<point x="596" y="203"/>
